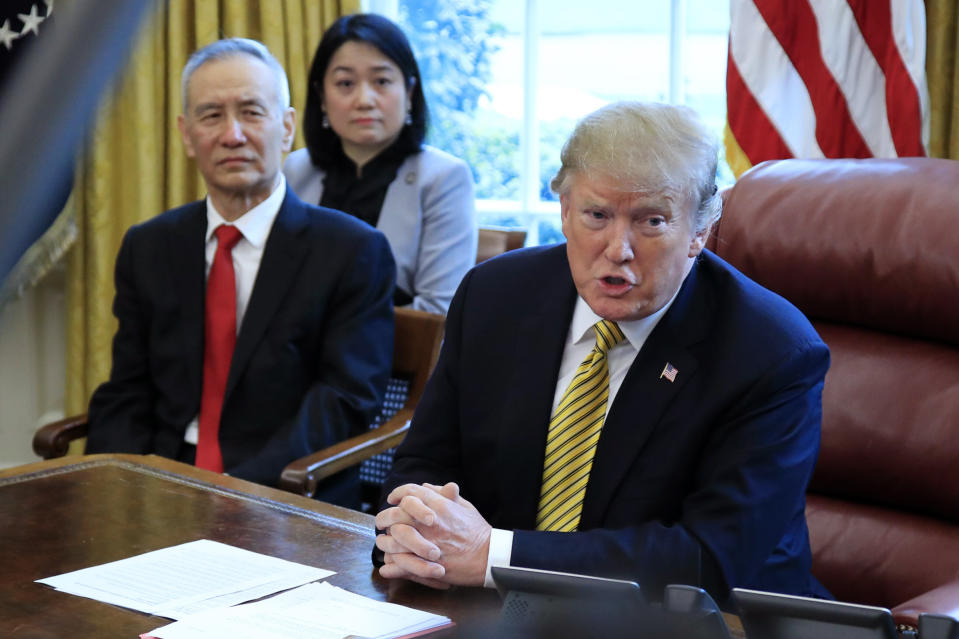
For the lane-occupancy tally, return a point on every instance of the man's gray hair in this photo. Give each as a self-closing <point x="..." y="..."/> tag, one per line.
<point x="227" y="48"/>
<point x="646" y="147"/>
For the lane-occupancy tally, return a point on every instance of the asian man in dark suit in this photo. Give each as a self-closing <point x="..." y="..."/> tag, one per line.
<point x="625" y="405"/>
<point x="253" y="328"/>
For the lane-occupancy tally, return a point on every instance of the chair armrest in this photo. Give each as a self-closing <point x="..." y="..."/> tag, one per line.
<point x="53" y="439"/>
<point x="943" y="600"/>
<point x="303" y="475"/>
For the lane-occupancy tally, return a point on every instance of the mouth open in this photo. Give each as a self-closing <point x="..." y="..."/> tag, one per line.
<point x="615" y="285"/>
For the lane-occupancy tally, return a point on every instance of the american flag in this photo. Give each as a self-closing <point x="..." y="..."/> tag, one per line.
<point x="826" y="78"/>
<point x="20" y="23"/>
<point x="669" y="372"/>
<point x="23" y="23"/>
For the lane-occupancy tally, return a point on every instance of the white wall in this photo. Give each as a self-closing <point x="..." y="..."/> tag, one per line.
<point x="32" y="366"/>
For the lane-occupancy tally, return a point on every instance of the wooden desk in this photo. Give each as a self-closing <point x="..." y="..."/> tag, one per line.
<point x="75" y="512"/>
<point x="70" y="513"/>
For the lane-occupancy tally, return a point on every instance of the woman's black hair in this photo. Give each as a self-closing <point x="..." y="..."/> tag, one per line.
<point x="323" y="144"/>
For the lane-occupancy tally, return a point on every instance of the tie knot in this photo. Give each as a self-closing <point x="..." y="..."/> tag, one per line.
<point x="227" y="236"/>
<point x="608" y="335"/>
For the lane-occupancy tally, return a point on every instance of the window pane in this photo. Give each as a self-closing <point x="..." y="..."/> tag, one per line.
<point x="707" y="33"/>
<point x="464" y="51"/>
<point x="587" y="54"/>
<point x="615" y="50"/>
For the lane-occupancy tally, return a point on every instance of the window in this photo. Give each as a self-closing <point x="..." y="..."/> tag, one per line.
<point x="506" y="81"/>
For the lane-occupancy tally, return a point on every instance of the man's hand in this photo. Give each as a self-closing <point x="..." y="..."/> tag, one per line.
<point x="434" y="537"/>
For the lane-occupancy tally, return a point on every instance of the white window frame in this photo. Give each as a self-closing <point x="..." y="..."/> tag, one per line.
<point x="529" y="208"/>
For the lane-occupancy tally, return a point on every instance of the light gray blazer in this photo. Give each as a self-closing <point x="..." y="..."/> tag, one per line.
<point x="428" y="216"/>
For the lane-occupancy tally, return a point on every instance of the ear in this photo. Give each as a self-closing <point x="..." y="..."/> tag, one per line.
<point x="289" y="128"/>
<point x="698" y="243"/>
<point x="409" y="93"/>
<point x="563" y="206"/>
<point x="564" y="212"/>
<point x="185" y="136"/>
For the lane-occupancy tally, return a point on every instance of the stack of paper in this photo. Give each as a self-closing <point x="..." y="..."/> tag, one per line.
<point x="318" y="611"/>
<point x="197" y="582"/>
<point x="181" y="580"/>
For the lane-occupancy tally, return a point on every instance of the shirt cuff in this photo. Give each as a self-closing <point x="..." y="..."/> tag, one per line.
<point x="500" y="552"/>
<point x="192" y="434"/>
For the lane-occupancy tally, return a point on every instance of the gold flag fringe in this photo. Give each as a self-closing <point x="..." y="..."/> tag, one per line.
<point x="42" y="255"/>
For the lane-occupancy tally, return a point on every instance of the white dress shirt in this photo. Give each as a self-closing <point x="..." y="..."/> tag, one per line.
<point x="579" y="342"/>
<point x="255" y="227"/>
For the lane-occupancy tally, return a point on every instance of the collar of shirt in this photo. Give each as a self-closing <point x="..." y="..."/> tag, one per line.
<point x="363" y="195"/>
<point x="255" y="226"/>
<point x="256" y="223"/>
<point x="636" y="331"/>
<point x="580" y="340"/>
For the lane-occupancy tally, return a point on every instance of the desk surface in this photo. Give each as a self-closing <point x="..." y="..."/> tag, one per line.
<point x="65" y="514"/>
<point x="75" y="512"/>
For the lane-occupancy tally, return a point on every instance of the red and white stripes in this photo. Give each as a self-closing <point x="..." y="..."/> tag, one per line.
<point x="826" y="78"/>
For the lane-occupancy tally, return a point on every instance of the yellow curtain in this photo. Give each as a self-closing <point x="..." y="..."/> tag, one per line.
<point x="942" y="73"/>
<point x="134" y="166"/>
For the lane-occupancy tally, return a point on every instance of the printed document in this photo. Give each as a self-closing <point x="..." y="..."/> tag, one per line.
<point x="182" y="580"/>
<point x="318" y="611"/>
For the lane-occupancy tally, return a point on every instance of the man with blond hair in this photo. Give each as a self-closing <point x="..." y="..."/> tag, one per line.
<point x="624" y="405"/>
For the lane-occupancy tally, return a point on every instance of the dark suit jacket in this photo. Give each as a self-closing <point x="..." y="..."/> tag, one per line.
<point x="698" y="481"/>
<point x="312" y="356"/>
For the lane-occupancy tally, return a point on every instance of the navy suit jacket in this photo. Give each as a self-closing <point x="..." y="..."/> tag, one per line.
<point x="312" y="356"/>
<point x="698" y="481"/>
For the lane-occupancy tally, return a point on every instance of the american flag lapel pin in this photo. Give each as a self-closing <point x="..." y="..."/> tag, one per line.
<point x="669" y="372"/>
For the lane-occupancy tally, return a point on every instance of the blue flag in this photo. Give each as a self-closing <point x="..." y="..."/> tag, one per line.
<point x="48" y="98"/>
<point x="23" y="24"/>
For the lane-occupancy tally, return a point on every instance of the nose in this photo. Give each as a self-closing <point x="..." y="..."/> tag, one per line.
<point x="233" y="134"/>
<point x="366" y="95"/>
<point x="619" y="247"/>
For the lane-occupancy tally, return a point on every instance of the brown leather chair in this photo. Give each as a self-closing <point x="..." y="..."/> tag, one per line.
<point x="416" y="346"/>
<point x="493" y="241"/>
<point x="868" y="250"/>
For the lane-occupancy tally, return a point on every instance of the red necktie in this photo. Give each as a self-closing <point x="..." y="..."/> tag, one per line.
<point x="220" y="337"/>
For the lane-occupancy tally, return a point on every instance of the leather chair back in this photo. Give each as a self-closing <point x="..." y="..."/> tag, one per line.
<point x="869" y="251"/>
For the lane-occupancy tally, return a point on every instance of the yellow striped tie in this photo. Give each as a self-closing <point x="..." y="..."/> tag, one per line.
<point x="573" y="435"/>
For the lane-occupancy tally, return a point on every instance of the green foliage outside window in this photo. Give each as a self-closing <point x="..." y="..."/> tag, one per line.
<point x="453" y="41"/>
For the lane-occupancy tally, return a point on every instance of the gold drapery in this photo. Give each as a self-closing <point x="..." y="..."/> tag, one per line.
<point x="942" y="74"/>
<point x="134" y="166"/>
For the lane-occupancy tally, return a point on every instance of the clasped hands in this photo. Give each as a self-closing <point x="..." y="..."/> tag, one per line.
<point x="433" y="536"/>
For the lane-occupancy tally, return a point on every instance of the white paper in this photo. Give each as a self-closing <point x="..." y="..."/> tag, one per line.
<point x="318" y="611"/>
<point x="181" y="580"/>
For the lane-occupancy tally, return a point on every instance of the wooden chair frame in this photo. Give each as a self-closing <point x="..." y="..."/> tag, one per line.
<point x="493" y="241"/>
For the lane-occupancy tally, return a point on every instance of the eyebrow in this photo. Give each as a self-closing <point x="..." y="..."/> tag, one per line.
<point x="257" y="102"/>
<point x="212" y="106"/>
<point x="653" y="203"/>
<point x="376" y="69"/>
<point x="203" y="107"/>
